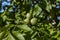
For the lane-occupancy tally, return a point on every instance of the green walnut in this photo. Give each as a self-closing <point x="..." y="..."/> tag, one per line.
<point x="28" y="15"/>
<point x="33" y="21"/>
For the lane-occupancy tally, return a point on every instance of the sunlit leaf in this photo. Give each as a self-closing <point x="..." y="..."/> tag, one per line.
<point x="18" y="35"/>
<point x="24" y="27"/>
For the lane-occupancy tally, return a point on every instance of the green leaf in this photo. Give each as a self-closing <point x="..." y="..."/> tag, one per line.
<point x="34" y="35"/>
<point x="58" y="38"/>
<point x="18" y="35"/>
<point x="24" y="27"/>
<point x="1" y="34"/>
<point x="9" y="37"/>
<point x="34" y="39"/>
<point x="58" y="24"/>
<point x="51" y="31"/>
<point x="58" y="0"/>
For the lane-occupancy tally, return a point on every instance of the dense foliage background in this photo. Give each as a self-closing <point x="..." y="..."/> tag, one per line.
<point x="29" y="19"/>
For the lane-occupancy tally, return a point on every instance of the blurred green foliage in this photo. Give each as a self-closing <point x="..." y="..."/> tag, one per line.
<point x="13" y="26"/>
